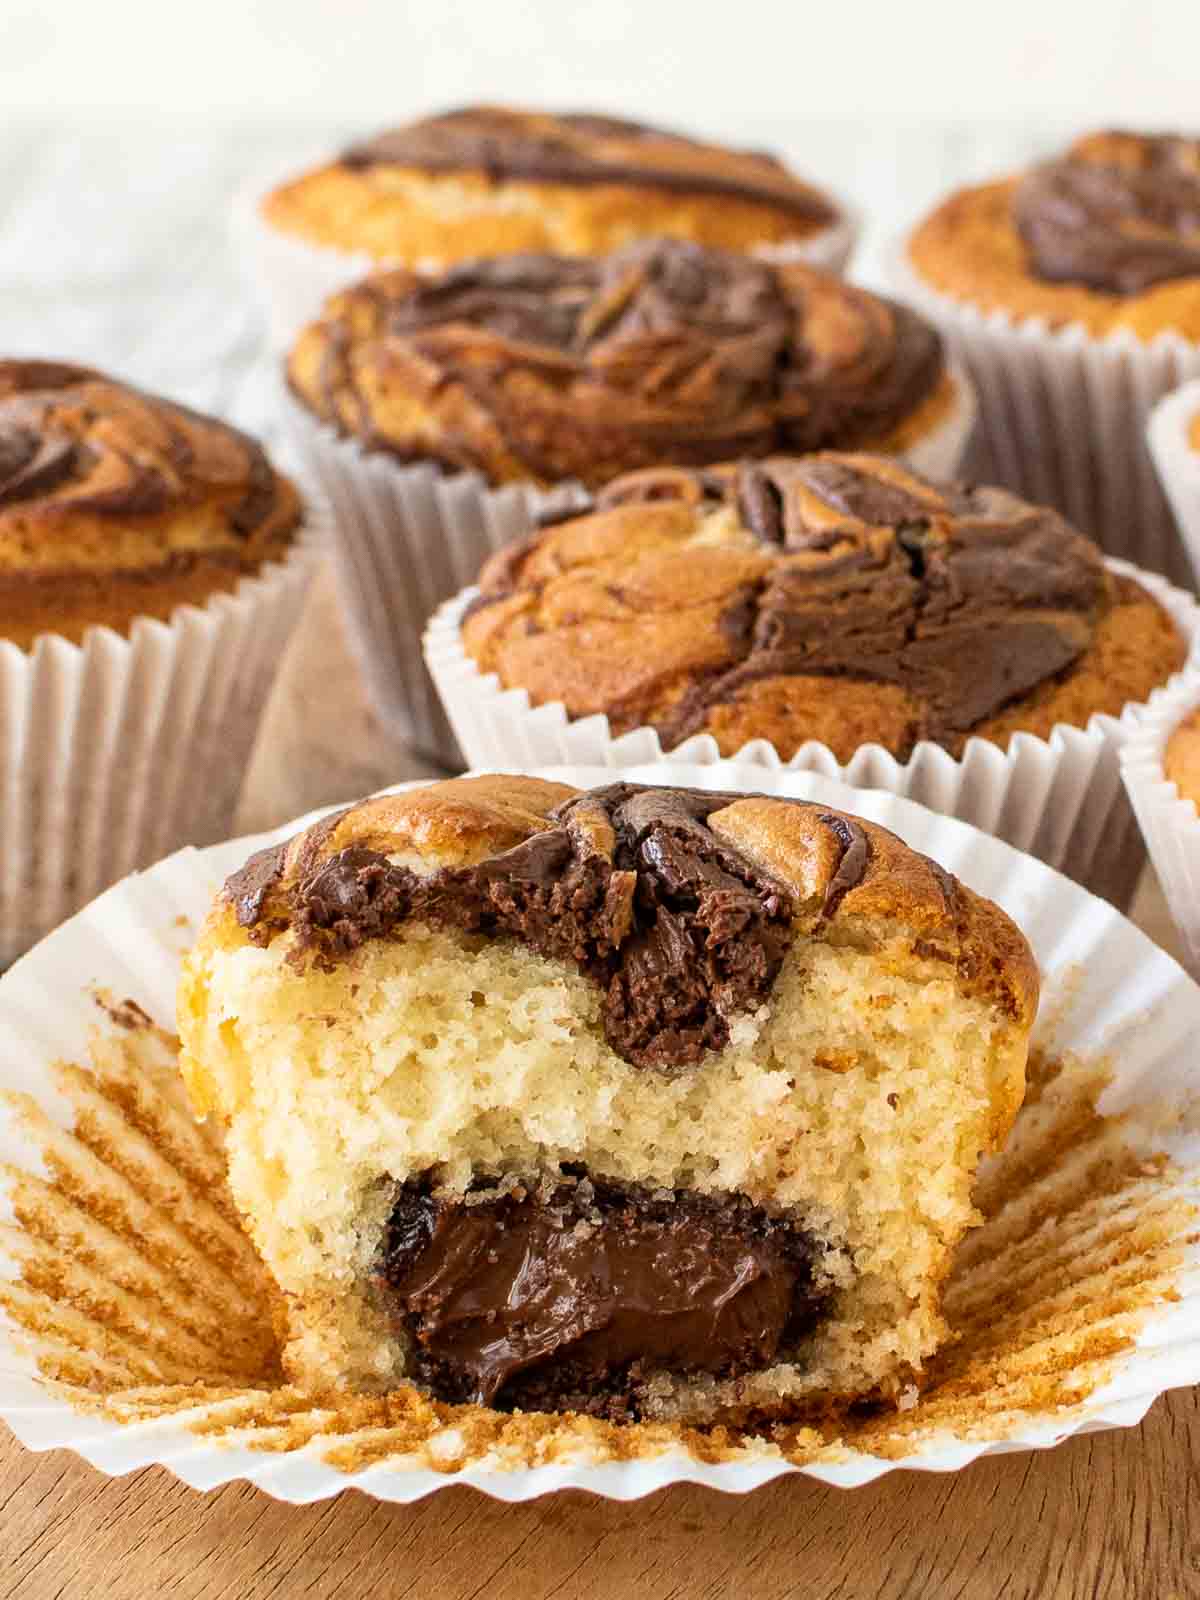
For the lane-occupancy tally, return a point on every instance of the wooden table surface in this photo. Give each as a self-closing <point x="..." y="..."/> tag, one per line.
<point x="112" y="250"/>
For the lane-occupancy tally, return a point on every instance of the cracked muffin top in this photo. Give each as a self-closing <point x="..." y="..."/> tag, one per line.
<point x="836" y="597"/>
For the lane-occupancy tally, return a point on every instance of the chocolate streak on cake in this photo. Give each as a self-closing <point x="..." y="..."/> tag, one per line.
<point x="677" y="927"/>
<point x="1119" y="213"/>
<point x="566" y="1297"/>
<point x="583" y="149"/>
<point x="107" y="449"/>
<point x="676" y="352"/>
<point x="964" y="597"/>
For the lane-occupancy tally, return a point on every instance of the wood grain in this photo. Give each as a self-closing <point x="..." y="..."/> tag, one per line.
<point x="1103" y="1516"/>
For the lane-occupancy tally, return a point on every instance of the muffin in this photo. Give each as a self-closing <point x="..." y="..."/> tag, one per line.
<point x="637" y="1102"/>
<point x="1173" y="436"/>
<point x="152" y="563"/>
<point x="116" y="504"/>
<point x="1072" y="294"/>
<point x="836" y="611"/>
<point x="495" y="181"/>
<point x="834" y="597"/>
<point x="536" y="371"/>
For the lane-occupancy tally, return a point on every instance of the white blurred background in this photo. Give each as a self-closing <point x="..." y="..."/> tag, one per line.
<point x="129" y="126"/>
<point x="720" y="66"/>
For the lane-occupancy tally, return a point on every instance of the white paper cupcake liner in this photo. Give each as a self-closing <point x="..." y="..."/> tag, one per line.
<point x="1060" y="799"/>
<point x="408" y="538"/>
<point x="118" y="749"/>
<point x="1170" y="824"/>
<point x="1177" y="461"/>
<point x="1062" y="416"/>
<point x="293" y="278"/>
<point x="131" y="1320"/>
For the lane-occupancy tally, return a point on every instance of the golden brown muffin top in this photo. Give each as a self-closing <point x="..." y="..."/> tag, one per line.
<point x="1194" y="432"/>
<point x="584" y="148"/>
<point x="1107" y="234"/>
<point x="97" y="475"/>
<point x="679" y="902"/>
<point x="550" y="367"/>
<point x="842" y="598"/>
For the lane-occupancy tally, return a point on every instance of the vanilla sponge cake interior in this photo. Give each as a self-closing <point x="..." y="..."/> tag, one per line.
<point x="642" y="1102"/>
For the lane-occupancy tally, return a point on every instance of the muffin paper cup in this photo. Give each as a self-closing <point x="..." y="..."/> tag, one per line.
<point x="1177" y="461"/>
<point x="1060" y="798"/>
<point x="1062" y="415"/>
<point x="293" y="278"/>
<point x="1170" y="824"/>
<point x="408" y="538"/>
<point x="120" y="748"/>
<point x="132" y="1322"/>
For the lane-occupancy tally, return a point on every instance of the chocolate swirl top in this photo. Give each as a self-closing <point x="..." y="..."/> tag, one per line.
<point x="780" y="589"/>
<point x="580" y="148"/>
<point x="75" y="444"/>
<point x="1120" y="212"/>
<point x="549" y="367"/>
<point x="678" y="903"/>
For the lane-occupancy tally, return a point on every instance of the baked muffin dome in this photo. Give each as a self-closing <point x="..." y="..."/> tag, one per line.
<point x="1107" y="235"/>
<point x="641" y="1101"/>
<point x="543" y="368"/>
<point x="489" y="181"/>
<point x="841" y="598"/>
<point x="116" y="504"/>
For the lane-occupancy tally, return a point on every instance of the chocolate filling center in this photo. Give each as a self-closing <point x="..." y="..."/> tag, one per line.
<point x="677" y="927"/>
<point x="569" y="1296"/>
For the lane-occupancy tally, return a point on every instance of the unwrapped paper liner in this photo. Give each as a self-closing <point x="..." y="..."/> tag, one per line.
<point x="1176" y="458"/>
<point x="133" y="1315"/>
<point x="408" y="538"/>
<point x="118" y="749"/>
<point x="1062" y="415"/>
<point x="1059" y="798"/>
<point x="293" y="278"/>
<point x="1170" y="824"/>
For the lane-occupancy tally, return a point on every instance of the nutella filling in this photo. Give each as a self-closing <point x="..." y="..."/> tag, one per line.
<point x="1119" y="213"/>
<point x="680" y="931"/>
<point x="569" y="1295"/>
<point x="579" y="148"/>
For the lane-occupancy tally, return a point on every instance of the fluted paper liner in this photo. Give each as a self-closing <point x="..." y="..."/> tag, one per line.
<point x="293" y="278"/>
<point x="1062" y="414"/>
<point x="408" y="538"/>
<point x="1059" y="798"/>
<point x="118" y="749"/>
<point x="1177" y="462"/>
<point x="136" y="1322"/>
<point x="1170" y="824"/>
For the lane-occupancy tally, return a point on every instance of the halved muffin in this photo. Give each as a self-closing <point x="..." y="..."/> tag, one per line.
<point x="644" y="1102"/>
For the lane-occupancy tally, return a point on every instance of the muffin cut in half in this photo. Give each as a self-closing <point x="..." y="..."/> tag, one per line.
<point x="643" y="1102"/>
